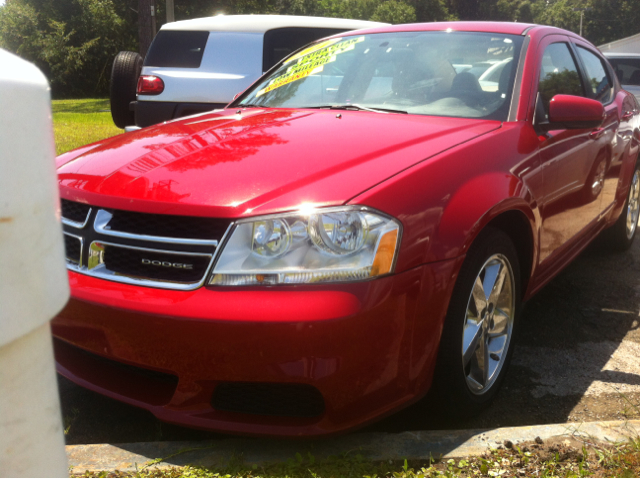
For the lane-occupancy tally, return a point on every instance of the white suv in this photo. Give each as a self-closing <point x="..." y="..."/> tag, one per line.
<point x="627" y="68"/>
<point x="199" y="65"/>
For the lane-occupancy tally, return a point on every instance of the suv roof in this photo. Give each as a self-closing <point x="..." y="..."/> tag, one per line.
<point x="621" y="55"/>
<point x="263" y="23"/>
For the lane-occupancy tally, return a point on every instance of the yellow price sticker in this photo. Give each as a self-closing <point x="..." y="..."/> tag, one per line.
<point x="311" y="61"/>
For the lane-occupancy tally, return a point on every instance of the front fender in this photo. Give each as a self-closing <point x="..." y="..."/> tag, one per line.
<point x="446" y="200"/>
<point x="475" y="205"/>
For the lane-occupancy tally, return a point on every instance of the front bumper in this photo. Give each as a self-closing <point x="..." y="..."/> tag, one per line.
<point x="368" y="348"/>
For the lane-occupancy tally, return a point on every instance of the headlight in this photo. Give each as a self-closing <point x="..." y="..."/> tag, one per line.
<point x="325" y="245"/>
<point x="271" y="238"/>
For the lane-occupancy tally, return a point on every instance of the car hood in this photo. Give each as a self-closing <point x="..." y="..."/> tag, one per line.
<point x="230" y="164"/>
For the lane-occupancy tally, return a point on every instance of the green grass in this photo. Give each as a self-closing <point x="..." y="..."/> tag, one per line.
<point x="522" y="460"/>
<point x="79" y="122"/>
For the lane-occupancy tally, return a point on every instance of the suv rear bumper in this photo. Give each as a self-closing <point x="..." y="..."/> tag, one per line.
<point x="151" y="112"/>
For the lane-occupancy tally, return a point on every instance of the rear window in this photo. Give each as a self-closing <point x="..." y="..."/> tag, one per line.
<point x="177" y="49"/>
<point x="279" y="42"/>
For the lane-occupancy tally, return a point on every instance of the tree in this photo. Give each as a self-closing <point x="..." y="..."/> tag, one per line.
<point x="72" y="41"/>
<point x="394" y="11"/>
<point x="560" y="14"/>
<point x="515" y="10"/>
<point x="603" y="21"/>
<point x="611" y="20"/>
<point x="19" y="30"/>
<point x="146" y="24"/>
<point x="471" y="9"/>
<point x="391" y="11"/>
<point x="431" y="10"/>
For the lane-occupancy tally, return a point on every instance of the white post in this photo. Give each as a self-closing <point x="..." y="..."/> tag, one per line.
<point x="33" y="279"/>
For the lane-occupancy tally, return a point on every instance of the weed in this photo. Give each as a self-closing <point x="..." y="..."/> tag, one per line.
<point x="70" y="419"/>
<point x="612" y="460"/>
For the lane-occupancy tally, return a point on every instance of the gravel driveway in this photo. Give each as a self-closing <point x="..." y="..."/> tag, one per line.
<point x="577" y="358"/>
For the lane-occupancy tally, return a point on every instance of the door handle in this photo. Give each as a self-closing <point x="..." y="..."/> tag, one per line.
<point x="627" y="115"/>
<point x="597" y="133"/>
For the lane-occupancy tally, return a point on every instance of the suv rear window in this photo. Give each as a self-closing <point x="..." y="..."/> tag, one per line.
<point x="627" y="70"/>
<point x="279" y="42"/>
<point x="177" y="49"/>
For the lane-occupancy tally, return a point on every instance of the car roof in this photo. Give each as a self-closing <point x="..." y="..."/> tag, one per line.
<point x="263" y="23"/>
<point x="509" y="28"/>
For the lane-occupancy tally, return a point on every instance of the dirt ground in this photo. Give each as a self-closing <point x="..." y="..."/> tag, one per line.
<point x="577" y="358"/>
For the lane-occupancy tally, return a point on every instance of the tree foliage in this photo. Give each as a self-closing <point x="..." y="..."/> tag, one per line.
<point x="394" y="11"/>
<point x="603" y="21"/>
<point x="74" y="41"/>
<point x="516" y="10"/>
<point x="565" y="82"/>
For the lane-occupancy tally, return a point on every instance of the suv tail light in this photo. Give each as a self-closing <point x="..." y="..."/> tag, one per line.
<point x="150" y="85"/>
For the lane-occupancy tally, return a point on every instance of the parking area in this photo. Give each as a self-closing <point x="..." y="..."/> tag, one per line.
<point x="577" y="359"/>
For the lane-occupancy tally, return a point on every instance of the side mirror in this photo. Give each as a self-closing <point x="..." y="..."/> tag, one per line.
<point x="574" y="112"/>
<point x="235" y="96"/>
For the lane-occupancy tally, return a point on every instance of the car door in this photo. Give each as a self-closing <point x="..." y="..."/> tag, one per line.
<point x="571" y="169"/>
<point x="616" y="128"/>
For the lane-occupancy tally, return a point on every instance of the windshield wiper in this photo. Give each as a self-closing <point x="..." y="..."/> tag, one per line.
<point x="349" y="106"/>
<point x="353" y="106"/>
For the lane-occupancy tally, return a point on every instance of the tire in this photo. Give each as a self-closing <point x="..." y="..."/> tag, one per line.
<point x="460" y="382"/>
<point x="621" y="235"/>
<point x="124" y="80"/>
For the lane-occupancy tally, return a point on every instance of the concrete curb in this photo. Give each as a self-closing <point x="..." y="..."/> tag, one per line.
<point x="375" y="446"/>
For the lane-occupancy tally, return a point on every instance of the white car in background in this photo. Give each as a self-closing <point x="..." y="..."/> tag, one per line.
<point x="490" y="79"/>
<point x="627" y="68"/>
<point x="199" y="65"/>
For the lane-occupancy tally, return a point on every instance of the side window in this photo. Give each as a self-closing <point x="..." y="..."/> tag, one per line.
<point x="599" y="83"/>
<point x="558" y="75"/>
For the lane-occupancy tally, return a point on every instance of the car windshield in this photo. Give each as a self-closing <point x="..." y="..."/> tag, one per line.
<point x="459" y="74"/>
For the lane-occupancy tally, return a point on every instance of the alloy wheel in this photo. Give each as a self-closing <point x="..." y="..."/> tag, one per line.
<point x="488" y="324"/>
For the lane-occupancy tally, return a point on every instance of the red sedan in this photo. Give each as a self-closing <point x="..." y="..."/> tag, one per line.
<point x="359" y="227"/>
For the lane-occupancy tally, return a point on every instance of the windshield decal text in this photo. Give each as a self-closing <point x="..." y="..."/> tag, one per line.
<point x="310" y="61"/>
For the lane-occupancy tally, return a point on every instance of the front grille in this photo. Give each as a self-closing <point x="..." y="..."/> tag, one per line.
<point x="169" y="226"/>
<point x="293" y="400"/>
<point x="154" y="265"/>
<point x="164" y="251"/>
<point x="73" y="211"/>
<point x="73" y="248"/>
